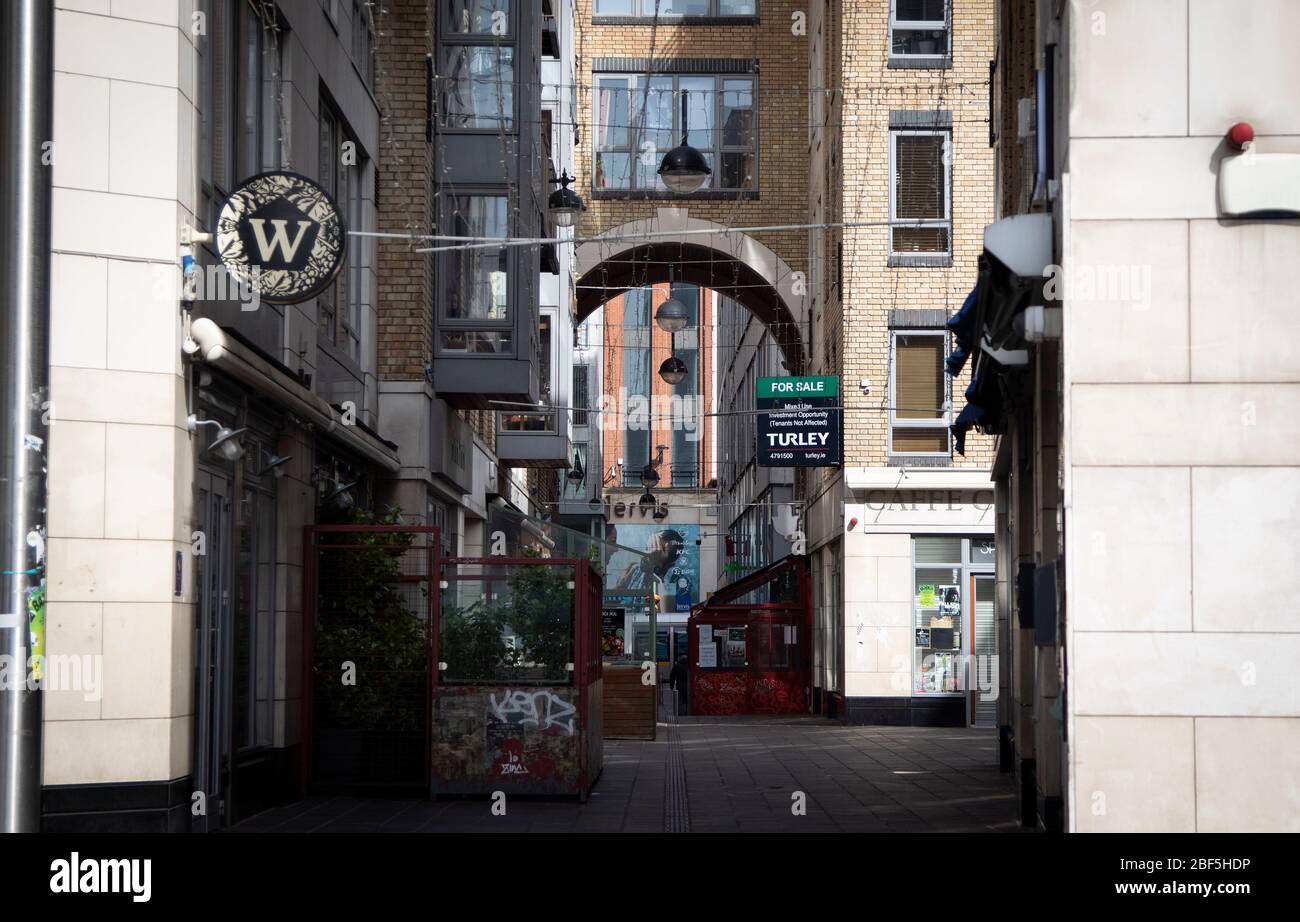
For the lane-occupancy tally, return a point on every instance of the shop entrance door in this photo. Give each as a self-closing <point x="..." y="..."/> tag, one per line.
<point x="212" y="651"/>
<point x="983" y="672"/>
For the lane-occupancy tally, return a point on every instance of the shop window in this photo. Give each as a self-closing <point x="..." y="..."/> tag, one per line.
<point x="947" y="570"/>
<point x="937" y="646"/>
<point x="637" y="122"/>
<point x="920" y="198"/>
<point x="918" y="30"/>
<point x="918" y="391"/>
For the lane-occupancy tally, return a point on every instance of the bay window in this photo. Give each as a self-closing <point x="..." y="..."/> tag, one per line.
<point x="475" y="283"/>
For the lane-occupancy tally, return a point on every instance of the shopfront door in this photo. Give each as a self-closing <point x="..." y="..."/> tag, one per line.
<point x="213" y="648"/>
<point x="983" y="670"/>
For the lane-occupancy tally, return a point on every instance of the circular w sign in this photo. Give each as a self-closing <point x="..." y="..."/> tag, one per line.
<point x="282" y="236"/>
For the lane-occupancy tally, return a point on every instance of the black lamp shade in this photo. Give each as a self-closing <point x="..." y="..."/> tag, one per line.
<point x="684" y="169"/>
<point x="673" y="370"/>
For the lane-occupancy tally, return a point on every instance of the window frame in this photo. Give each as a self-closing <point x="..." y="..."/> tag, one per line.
<point x="920" y="25"/>
<point x="646" y="9"/>
<point x="346" y="314"/>
<point x="449" y="36"/>
<point x="445" y="271"/>
<point x="363" y="42"/>
<point x="633" y="86"/>
<point x="946" y="159"/>
<point x="943" y="422"/>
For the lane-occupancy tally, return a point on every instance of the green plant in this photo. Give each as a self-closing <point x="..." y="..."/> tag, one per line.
<point x="365" y="616"/>
<point x="523" y="632"/>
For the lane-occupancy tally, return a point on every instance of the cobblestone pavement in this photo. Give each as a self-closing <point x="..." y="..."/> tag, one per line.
<point x="739" y="774"/>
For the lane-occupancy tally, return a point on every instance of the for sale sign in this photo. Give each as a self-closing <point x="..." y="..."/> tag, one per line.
<point x="804" y="427"/>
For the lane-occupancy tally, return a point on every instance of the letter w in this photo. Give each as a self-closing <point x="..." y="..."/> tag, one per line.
<point x="279" y="240"/>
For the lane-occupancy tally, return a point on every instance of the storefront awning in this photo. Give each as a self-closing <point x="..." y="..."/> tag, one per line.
<point x="1016" y="260"/>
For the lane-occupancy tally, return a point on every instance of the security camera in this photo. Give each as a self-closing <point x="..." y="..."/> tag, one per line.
<point x="865" y="385"/>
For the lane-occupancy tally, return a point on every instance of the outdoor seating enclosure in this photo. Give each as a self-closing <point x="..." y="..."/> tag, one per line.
<point x="454" y="675"/>
<point x="751" y="645"/>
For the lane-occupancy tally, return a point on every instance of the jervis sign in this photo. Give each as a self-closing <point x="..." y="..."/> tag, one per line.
<point x="809" y="431"/>
<point x="282" y="236"/>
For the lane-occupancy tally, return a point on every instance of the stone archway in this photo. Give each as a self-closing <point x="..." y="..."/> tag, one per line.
<point x="702" y="253"/>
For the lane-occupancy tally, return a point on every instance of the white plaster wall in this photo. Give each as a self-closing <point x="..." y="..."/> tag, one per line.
<point x="1184" y="425"/>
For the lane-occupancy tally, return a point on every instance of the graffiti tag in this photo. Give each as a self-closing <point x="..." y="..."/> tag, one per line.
<point x="542" y="709"/>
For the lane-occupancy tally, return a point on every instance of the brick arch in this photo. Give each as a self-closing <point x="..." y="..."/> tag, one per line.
<point x="704" y="254"/>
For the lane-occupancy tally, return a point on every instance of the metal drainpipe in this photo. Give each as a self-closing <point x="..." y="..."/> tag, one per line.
<point x="26" y="119"/>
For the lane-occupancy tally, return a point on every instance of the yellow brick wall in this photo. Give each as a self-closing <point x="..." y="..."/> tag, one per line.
<point x="782" y="98"/>
<point x="871" y="288"/>
<point x="861" y="91"/>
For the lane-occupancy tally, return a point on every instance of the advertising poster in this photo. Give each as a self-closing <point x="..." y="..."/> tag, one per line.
<point x="612" y="640"/>
<point x="671" y="556"/>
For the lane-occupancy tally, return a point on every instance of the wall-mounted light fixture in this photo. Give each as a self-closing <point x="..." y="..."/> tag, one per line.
<point x="275" y="466"/>
<point x="226" y="445"/>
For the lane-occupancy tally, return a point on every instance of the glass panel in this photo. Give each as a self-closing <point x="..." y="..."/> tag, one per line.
<point x="733" y="654"/>
<point x="680" y="7"/>
<point x="919" y="42"/>
<point x="481" y="341"/>
<point x="737" y="170"/>
<point x="250" y="96"/>
<point x="507" y="623"/>
<point x="613" y="170"/>
<point x="478" y="91"/>
<point x="477" y="281"/>
<point x="264" y="654"/>
<point x="933" y="440"/>
<point x="476" y="16"/>
<point x="937" y="549"/>
<point x="919" y="177"/>
<point x="919" y="384"/>
<point x="612" y="112"/>
<point x="698" y="111"/>
<point x="982" y="551"/>
<point x="654" y="118"/>
<point x="919" y="10"/>
<point x="536" y="422"/>
<point x="737" y="7"/>
<point x="245" y="621"/>
<point x="938" y="625"/>
<point x="920" y="240"/>
<point x="737" y="113"/>
<point x="636" y="378"/>
<point x="614" y="7"/>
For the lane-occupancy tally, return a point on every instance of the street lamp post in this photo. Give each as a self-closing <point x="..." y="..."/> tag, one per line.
<point x="26" y="125"/>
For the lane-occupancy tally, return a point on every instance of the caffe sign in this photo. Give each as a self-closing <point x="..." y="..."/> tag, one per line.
<point x="281" y="235"/>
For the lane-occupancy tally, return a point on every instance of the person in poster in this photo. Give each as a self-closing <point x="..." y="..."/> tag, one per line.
<point x="671" y="558"/>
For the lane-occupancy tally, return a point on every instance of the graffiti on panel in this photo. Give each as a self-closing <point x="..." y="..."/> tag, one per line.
<point x="528" y="738"/>
<point x="536" y="708"/>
